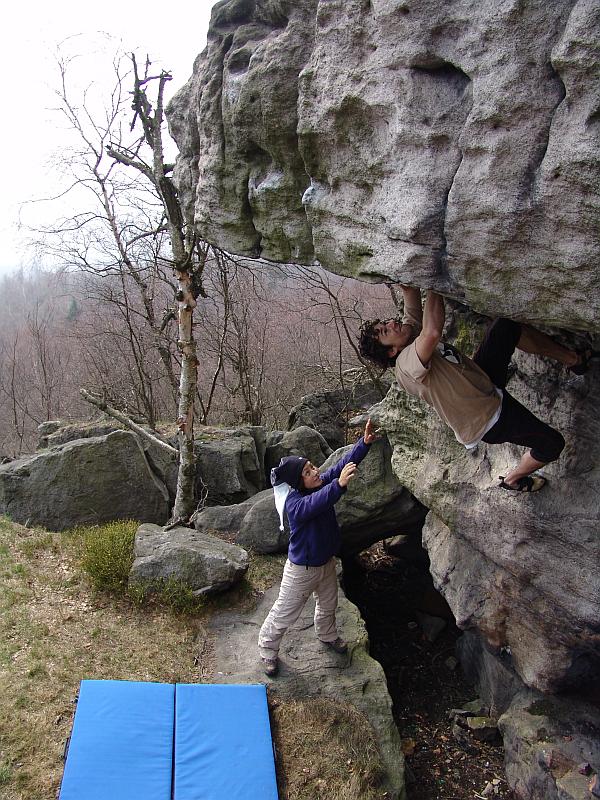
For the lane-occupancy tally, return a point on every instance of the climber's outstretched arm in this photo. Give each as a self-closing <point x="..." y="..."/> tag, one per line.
<point x="434" y="316"/>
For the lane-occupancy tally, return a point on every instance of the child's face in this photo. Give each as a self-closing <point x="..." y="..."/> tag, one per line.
<point x="310" y="476"/>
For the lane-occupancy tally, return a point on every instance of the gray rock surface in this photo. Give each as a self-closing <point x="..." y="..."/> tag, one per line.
<point x="228" y="465"/>
<point x="58" y="432"/>
<point x="253" y="524"/>
<point x="309" y="669"/>
<point x="224" y="519"/>
<point x="301" y="441"/>
<point x="86" y="481"/>
<point x="203" y="563"/>
<point x="260" y="529"/>
<point x="453" y="146"/>
<point x="164" y="465"/>
<point x="327" y="411"/>
<point x="521" y="569"/>
<point x="492" y="672"/>
<point x="44" y="429"/>
<point x="376" y="504"/>
<point x="545" y="741"/>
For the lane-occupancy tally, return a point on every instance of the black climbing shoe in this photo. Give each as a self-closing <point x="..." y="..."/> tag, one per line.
<point x="530" y="483"/>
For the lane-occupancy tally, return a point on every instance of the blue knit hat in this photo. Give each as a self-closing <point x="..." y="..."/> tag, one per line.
<point x="288" y="471"/>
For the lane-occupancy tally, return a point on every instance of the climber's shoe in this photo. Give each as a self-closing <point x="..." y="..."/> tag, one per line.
<point x="585" y="356"/>
<point x="270" y="666"/>
<point x="529" y="483"/>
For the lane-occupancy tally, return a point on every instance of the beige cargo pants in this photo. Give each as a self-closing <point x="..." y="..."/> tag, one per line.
<point x="297" y="584"/>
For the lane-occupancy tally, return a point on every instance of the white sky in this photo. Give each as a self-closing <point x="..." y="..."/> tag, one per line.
<point x="172" y="34"/>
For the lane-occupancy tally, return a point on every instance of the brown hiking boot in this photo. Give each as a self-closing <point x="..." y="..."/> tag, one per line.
<point x="270" y="666"/>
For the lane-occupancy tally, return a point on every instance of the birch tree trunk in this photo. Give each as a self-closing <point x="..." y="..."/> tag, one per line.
<point x="188" y="264"/>
<point x="186" y="477"/>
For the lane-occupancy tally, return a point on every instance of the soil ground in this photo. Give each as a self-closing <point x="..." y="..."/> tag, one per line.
<point x="422" y="683"/>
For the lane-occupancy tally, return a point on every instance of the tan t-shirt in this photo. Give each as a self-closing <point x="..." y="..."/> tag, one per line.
<point x="460" y="391"/>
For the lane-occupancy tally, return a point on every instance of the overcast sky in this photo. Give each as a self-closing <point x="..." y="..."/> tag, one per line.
<point x="173" y="35"/>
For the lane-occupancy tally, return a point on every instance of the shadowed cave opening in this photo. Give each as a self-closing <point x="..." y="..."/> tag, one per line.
<point x="391" y="585"/>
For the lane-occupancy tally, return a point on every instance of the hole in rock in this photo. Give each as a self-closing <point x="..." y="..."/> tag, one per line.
<point x="393" y="589"/>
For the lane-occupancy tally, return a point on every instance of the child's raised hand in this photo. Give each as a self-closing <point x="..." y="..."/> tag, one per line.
<point x="370" y="434"/>
<point x="347" y="474"/>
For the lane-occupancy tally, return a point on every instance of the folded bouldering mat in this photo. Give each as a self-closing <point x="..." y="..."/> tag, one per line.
<point x="223" y="746"/>
<point x="121" y="745"/>
<point x="153" y="741"/>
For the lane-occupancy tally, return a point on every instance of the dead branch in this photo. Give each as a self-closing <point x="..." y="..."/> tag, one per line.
<point x="118" y="415"/>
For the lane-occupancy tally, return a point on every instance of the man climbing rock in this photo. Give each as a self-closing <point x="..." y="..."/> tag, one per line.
<point x="470" y="394"/>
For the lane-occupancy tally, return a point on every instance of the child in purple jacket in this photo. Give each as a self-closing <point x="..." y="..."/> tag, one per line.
<point x="309" y="498"/>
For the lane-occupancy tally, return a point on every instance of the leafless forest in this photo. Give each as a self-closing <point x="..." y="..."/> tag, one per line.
<point x="266" y="336"/>
<point x="104" y="318"/>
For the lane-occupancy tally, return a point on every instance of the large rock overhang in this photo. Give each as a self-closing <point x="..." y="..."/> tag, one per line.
<point x="449" y="145"/>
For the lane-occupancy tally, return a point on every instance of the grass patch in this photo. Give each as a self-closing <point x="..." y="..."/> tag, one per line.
<point x="325" y="749"/>
<point x="56" y="629"/>
<point x="5" y="773"/>
<point x="264" y="571"/>
<point x="172" y="593"/>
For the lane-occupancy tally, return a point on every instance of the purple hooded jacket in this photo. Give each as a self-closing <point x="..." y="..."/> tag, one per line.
<point x="314" y="531"/>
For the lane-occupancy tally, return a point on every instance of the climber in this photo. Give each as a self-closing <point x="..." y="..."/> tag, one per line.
<point x="470" y="395"/>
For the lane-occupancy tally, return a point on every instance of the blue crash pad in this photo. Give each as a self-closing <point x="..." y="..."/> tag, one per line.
<point x="153" y="741"/>
<point x="223" y="746"/>
<point x="122" y="742"/>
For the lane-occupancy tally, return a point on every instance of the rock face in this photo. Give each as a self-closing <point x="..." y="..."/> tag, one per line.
<point x="327" y="411"/>
<point x="540" y="760"/>
<point x="228" y="466"/>
<point x="301" y="441"/>
<point x="309" y="669"/>
<point x="203" y="563"/>
<point x="86" y="481"/>
<point x="452" y="146"/>
<point x="520" y="569"/>
<point x="375" y="505"/>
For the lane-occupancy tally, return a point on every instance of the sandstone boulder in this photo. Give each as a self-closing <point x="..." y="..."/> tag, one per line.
<point x="203" y="563"/>
<point x="223" y="519"/>
<point x="86" y="481"/>
<point x="301" y="441"/>
<point x="59" y="432"/>
<point x="519" y="569"/>
<point x="228" y="465"/>
<point x="376" y="505"/>
<point x="328" y="411"/>
<point x="453" y="146"/>
<point x="545" y="742"/>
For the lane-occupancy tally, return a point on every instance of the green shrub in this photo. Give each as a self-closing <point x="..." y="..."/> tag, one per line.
<point x="108" y="554"/>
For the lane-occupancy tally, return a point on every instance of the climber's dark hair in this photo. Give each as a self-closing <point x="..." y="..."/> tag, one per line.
<point x="370" y="347"/>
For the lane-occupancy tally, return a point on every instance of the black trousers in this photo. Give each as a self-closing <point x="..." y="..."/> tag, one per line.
<point x="516" y="423"/>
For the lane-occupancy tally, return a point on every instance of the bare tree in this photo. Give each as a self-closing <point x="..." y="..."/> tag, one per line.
<point x="136" y="239"/>
<point x="188" y="260"/>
